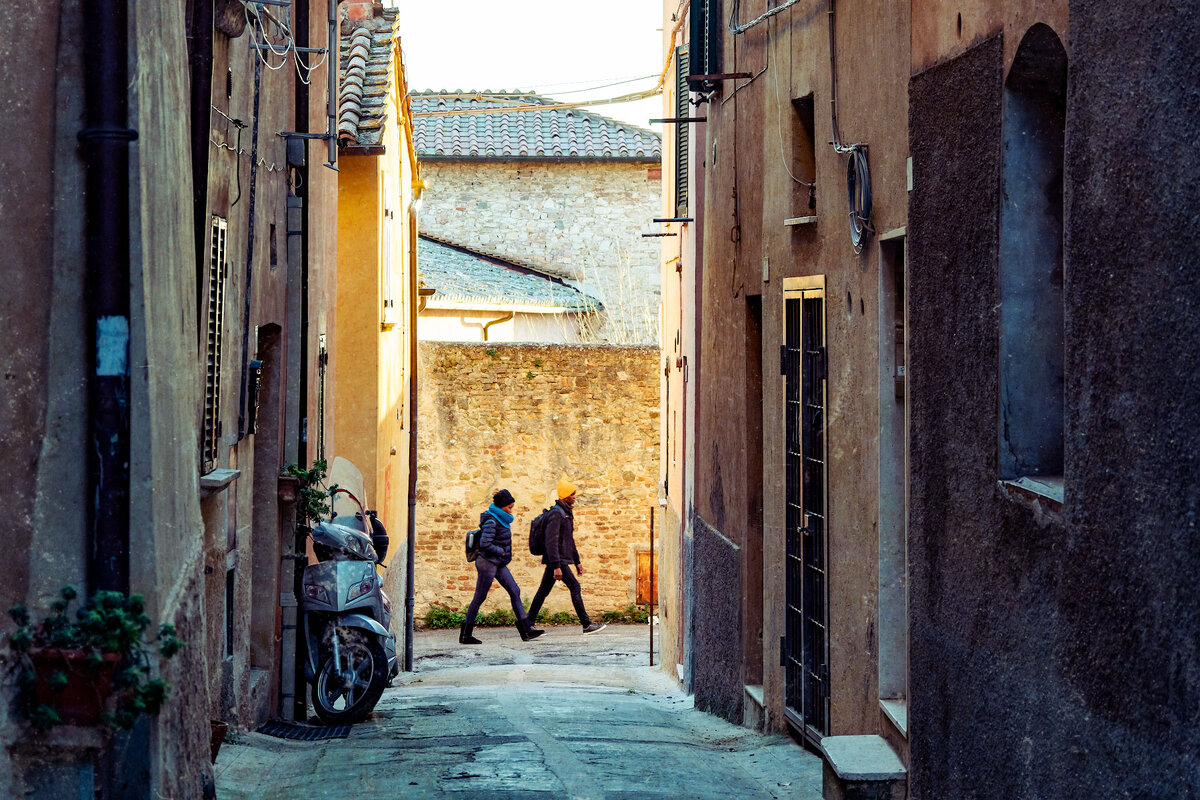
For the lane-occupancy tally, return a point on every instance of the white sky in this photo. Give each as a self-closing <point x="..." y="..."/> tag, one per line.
<point x="550" y="46"/>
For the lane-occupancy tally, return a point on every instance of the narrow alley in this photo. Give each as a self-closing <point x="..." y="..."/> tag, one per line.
<point x="568" y="715"/>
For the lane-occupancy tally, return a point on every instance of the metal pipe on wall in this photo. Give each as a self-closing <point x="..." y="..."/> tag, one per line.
<point x="201" y="62"/>
<point x="332" y="59"/>
<point x="292" y="676"/>
<point x="411" y="543"/>
<point x="105" y="147"/>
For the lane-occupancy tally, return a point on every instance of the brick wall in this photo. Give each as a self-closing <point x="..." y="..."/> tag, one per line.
<point x="581" y="219"/>
<point x="518" y="417"/>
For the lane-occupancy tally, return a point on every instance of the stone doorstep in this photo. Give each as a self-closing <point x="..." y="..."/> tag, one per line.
<point x="861" y="768"/>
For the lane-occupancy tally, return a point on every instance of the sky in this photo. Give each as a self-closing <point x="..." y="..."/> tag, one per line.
<point x="554" y="47"/>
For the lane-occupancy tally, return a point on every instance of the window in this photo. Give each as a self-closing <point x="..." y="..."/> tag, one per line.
<point x="218" y="273"/>
<point x="804" y="154"/>
<point x="1031" y="260"/>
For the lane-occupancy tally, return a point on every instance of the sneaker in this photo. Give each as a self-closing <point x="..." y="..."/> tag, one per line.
<point x="595" y="626"/>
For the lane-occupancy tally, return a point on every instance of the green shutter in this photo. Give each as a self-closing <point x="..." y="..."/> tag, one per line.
<point x="681" y="131"/>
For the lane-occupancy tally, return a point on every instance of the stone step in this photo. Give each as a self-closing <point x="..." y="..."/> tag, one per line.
<point x="861" y="768"/>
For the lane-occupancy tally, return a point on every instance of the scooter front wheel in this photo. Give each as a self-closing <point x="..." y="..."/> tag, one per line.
<point x="348" y="691"/>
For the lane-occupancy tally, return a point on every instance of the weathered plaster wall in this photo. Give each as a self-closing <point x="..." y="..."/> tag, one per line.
<point x="1085" y="618"/>
<point x="166" y="533"/>
<point x="943" y="29"/>
<point x="978" y="593"/>
<point x="519" y="419"/>
<point x="1133" y="450"/>
<point x="718" y="683"/>
<point x="751" y="137"/>
<point x="581" y="219"/>
<point x="41" y="321"/>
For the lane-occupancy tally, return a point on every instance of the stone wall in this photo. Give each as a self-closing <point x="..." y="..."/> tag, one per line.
<point x="519" y="417"/>
<point x="584" y="220"/>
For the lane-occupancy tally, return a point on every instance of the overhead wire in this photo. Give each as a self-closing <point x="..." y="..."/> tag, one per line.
<point x="517" y="107"/>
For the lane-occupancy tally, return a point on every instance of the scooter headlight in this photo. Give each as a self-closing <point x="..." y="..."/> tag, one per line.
<point x="359" y="589"/>
<point x="314" y="592"/>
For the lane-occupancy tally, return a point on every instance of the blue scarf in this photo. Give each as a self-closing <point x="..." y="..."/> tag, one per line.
<point x="502" y="516"/>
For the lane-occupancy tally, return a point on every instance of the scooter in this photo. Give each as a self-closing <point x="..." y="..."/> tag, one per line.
<point x="346" y="618"/>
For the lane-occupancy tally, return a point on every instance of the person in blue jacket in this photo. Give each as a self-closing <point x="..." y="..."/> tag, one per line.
<point x="495" y="552"/>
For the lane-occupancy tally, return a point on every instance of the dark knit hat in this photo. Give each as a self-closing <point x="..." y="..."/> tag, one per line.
<point x="503" y="498"/>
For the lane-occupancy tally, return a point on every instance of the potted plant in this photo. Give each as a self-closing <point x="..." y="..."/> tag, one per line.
<point x="93" y="668"/>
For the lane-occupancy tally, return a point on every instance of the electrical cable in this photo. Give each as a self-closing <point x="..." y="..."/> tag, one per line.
<point x="858" y="175"/>
<point x="737" y="29"/>
<point x="858" y="191"/>
<point x="627" y="98"/>
<point x="779" y="120"/>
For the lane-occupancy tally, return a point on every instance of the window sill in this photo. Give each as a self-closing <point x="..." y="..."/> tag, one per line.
<point x="897" y="712"/>
<point x="1043" y="494"/>
<point x="217" y="481"/>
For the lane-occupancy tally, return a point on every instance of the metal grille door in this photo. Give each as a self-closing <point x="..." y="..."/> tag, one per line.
<point x="806" y="643"/>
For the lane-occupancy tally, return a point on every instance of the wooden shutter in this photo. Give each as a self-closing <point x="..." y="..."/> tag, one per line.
<point x="217" y="276"/>
<point x="681" y="131"/>
<point x="704" y="37"/>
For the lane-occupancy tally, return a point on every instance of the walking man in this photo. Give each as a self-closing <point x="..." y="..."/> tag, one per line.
<point x="560" y="556"/>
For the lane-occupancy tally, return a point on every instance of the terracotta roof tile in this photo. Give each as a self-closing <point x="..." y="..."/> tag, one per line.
<point x="553" y="134"/>
<point x="367" y="49"/>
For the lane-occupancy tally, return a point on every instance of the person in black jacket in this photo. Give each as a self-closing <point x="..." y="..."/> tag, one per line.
<point x="560" y="556"/>
<point x="495" y="552"/>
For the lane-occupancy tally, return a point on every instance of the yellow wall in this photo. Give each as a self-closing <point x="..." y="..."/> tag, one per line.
<point x="371" y="415"/>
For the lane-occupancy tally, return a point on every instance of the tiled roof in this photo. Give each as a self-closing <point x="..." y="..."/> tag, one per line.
<point x="464" y="276"/>
<point x="366" y="73"/>
<point x="553" y="134"/>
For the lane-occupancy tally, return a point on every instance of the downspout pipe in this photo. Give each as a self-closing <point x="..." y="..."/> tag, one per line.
<point x="104" y="143"/>
<point x="506" y="318"/>
<point x="410" y="549"/>
<point x="332" y="81"/>
<point x="201" y="64"/>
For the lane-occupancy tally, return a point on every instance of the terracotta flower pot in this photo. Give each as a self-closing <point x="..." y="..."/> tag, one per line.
<point x="289" y="489"/>
<point x="82" y="700"/>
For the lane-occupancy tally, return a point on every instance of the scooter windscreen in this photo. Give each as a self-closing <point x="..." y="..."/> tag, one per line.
<point x="333" y="542"/>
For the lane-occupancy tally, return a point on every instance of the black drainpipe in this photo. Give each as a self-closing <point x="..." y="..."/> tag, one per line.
<point x="104" y="143"/>
<point x="248" y="289"/>
<point x="201" y="62"/>
<point x="303" y="21"/>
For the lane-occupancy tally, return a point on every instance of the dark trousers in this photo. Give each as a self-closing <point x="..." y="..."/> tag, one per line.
<point x="488" y="572"/>
<point x="568" y="577"/>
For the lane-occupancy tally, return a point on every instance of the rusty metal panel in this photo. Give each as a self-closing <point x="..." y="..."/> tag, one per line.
<point x="647" y="578"/>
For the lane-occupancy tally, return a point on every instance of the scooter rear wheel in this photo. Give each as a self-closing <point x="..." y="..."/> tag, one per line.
<point x="349" y="695"/>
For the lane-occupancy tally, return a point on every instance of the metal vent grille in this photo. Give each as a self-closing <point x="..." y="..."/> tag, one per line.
<point x="217" y="276"/>
<point x="303" y="732"/>
<point x="681" y="132"/>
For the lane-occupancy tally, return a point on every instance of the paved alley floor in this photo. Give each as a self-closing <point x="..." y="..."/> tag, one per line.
<point x="565" y="716"/>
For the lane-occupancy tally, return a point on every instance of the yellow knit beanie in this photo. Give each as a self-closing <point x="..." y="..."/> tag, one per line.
<point x="565" y="488"/>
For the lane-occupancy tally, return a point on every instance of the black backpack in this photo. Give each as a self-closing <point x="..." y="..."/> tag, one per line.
<point x="537" y="532"/>
<point x="473" y="544"/>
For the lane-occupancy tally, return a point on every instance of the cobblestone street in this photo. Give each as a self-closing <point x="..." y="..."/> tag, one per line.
<point x="565" y="716"/>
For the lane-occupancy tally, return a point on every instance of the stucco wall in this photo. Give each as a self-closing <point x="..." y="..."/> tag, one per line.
<point x="748" y="253"/>
<point x="519" y="418"/>
<point x="1086" y="622"/>
<point x="581" y="219"/>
